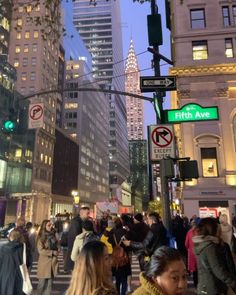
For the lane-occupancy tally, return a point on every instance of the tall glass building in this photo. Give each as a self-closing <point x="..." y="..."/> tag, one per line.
<point x="100" y="29"/>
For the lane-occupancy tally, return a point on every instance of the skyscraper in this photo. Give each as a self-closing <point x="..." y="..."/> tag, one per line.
<point x="36" y="61"/>
<point x="99" y="27"/>
<point x="134" y="106"/>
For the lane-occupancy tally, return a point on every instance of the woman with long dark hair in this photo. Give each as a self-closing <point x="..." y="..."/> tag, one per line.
<point x="165" y="274"/>
<point x="47" y="246"/>
<point x="92" y="271"/>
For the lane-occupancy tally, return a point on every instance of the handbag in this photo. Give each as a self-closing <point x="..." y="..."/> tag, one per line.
<point x="27" y="286"/>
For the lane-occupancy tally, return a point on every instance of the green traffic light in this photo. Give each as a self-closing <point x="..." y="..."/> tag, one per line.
<point x="9" y="125"/>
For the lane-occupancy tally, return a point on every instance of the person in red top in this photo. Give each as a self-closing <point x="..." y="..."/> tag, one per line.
<point x="192" y="262"/>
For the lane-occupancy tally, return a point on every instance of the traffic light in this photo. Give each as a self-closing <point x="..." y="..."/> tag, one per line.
<point x="188" y="169"/>
<point x="9" y="126"/>
<point x="154" y="30"/>
<point x="10" y="122"/>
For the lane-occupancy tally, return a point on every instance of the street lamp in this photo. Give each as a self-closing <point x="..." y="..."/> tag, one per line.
<point x="76" y="197"/>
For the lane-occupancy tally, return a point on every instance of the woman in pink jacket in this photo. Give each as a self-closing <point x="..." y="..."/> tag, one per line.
<point x="192" y="262"/>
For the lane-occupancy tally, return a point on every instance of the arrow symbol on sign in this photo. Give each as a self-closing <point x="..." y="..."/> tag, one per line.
<point x="161" y="134"/>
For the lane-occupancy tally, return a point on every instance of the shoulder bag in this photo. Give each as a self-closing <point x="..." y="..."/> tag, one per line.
<point x="27" y="286"/>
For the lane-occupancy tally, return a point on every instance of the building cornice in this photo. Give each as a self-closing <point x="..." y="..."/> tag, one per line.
<point x="204" y="70"/>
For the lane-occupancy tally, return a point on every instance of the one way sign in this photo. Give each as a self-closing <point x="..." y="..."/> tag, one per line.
<point x="149" y="84"/>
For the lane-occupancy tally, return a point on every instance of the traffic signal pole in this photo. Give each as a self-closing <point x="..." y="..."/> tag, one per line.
<point x="158" y="107"/>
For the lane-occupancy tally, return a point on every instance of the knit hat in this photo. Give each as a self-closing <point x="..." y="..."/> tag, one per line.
<point x="138" y="217"/>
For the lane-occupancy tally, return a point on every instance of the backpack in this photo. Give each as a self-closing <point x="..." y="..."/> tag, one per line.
<point x="119" y="256"/>
<point x="90" y="237"/>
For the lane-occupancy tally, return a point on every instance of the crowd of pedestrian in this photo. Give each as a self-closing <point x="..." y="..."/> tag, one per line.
<point x="98" y="254"/>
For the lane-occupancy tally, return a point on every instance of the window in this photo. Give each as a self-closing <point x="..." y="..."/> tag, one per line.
<point x="18" y="36"/>
<point x="234" y="131"/>
<point x="197" y="18"/>
<point x="27" y="35"/>
<point x="32" y="76"/>
<point x="37" y="7"/>
<point x="25" y="62"/>
<point x="17" y="49"/>
<point x="28" y="8"/>
<point x="200" y="50"/>
<point x="226" y="17"/>
<point x="229" y="47"/>
<point x="26" y="48"/>
<point x="33" y="61"/>
<point x="34" y="47"/>
<point x="209" y="162"/>
<point x="234" y="13"/>
<point x="16" y="63"/>
<point x="20" y="9"/>
<point x="36" y="34"/>
<point x="19" y="22"/>
<point x="23" y="76"/>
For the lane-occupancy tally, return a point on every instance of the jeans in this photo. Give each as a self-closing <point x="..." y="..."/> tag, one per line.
<point x="121" y="282"/>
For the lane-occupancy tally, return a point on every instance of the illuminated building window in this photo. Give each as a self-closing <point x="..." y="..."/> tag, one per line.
<point x="37" y="7"/>
<point x="19" y="22"/>
<point x="209" y="162"/>
<point x="17" y="49"/>
<point x="36" y="34"/>
<point x="27" y="35"/>
<point x="234" y="131"/>
<point x="18" y="36"/>
<point x="76" y="67"/>
<point x="71" y="105"/>
<point x="28" y="8"/>
<point x="16" y="63"/>
<point x="229" y="47"/>
<point x="226" y="16"/>
<point x="200" y="50"/>
<point x="41" y="157"/>
<point x="197" y="18"/>
<point x="26" y="48"/>
<point x="23" y="76"/>
<point x="20" y="9"/>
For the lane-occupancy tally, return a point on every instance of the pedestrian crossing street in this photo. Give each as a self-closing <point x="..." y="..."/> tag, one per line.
<point x="62" y="280"/>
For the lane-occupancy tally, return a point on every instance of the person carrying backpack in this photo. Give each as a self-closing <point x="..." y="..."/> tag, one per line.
<point x="86" y="236"/>
<point x="121" y="267"/>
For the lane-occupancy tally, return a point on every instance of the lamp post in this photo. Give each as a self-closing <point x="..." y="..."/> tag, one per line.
<point x="76" y="198"/>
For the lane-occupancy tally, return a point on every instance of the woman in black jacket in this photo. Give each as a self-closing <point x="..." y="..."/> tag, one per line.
<point x="11" y="257"/>
<point x="215" y="275"/>
<point x="121" y="273"/>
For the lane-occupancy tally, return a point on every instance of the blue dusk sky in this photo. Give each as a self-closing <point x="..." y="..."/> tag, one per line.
<point x="134" y="24"/>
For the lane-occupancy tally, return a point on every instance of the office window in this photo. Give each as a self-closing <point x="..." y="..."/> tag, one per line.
<point x="34" y="47"/>
<point x="229" y="47"/>
<point x="23" y="76"/>
<point x="200" y="50"/>
<point x="33" y="61"/>
<point x="197" y="18"/>
<point x="36" y="34"/>
<point x="27" y="35"/>
<point x="26" y="48"/>
<point x="20" y="9"/>
<point x="209" y="162"/>
<point x="18" y="36"/>
<point x="234" y="13"/>
<point x="32" y="76"/>
<point x="16" y="63"/>
<point x="226" y="16"/>
<point x="28" y="8"/>
<point x="17" y="49"/>
<point x="37" y="7"/>
<point x="19" y="22"/>
<point x="25" y="62"/>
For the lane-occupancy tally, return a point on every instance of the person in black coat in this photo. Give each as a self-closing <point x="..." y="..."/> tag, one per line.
<point x="155" y="238"/>
<point x="11" y="257"/>
<point x="121" y="273"/>
<point x="74" y="230"/>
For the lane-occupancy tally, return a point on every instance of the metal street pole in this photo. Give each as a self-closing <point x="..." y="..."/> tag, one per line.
<point x="158" y="106"/>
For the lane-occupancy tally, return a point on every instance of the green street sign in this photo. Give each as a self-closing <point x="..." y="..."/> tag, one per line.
<point x="192" y="112"/>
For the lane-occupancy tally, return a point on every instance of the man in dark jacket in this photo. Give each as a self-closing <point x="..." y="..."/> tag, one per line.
<point x="155" y="238"/>
<point x="74" y="230"/>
